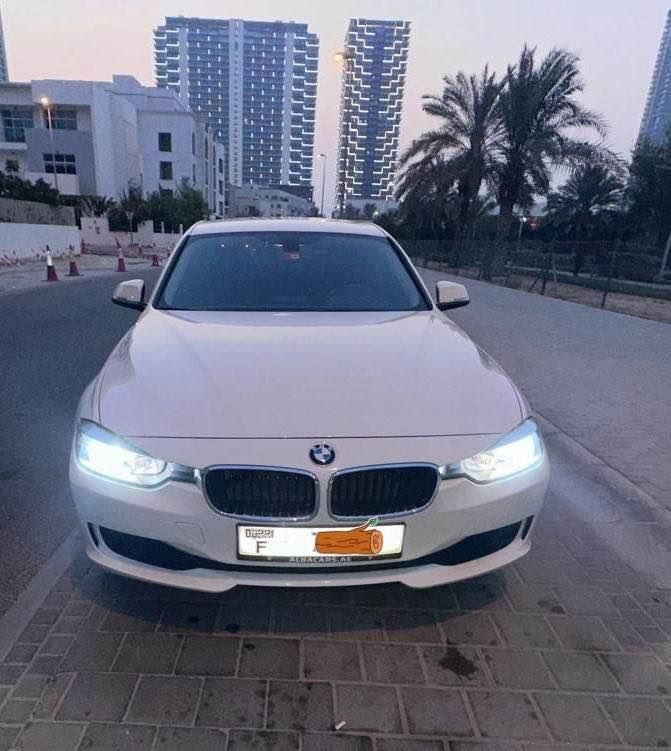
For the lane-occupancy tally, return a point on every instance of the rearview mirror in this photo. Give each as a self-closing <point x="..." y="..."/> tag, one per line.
<point x="130" y="294"/>
<point x="451" y="295"/>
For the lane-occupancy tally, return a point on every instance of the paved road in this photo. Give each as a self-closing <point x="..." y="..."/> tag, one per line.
<point x="601" y="377"/>
<point x="52" y="342"/>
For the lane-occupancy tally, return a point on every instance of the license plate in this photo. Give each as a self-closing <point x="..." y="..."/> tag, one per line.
<point x="320" y="544"/>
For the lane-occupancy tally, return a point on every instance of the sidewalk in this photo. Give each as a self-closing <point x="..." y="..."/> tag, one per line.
<point x="570" y="646"/>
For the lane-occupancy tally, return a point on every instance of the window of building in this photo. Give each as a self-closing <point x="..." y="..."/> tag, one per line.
<point x="193" y="143"/>
<point x="193" y="174"/>
<point x="165" y="141"/>
<point x="62" y="118"/>
<point x="221" y="208"/>
<point x="165" y="191"/>
<point x="62" y="164"/>
<point x="165" y="170"/>
<point x="221" y="166"/>
<point x="16" y="121"/>
<point x="11" y="166"/>
<point x="221" y="187"/>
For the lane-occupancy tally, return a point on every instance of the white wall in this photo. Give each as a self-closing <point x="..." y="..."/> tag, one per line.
<point x="30" y="240"/>
<point x="180" y="125"/>
<point x="95" y="232"/>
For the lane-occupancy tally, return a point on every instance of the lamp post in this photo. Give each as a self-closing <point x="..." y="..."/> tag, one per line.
<point x="346" y="59"/>
<point x="323" y="156"/>
<point x="523" y="221"/>
<point x="46" y="103"/>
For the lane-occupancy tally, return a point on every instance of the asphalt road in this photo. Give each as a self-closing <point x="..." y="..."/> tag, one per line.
<point x="600" y="377"/>
<point x="53" y="340"/>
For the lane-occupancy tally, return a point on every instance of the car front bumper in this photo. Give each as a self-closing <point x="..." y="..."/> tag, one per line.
<point x="178" y="516"/>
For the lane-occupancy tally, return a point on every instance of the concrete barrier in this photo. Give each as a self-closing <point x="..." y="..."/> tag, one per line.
<point x="29" y="241"/>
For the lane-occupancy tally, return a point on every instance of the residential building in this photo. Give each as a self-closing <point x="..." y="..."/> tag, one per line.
<point x="657" y="114"/>
<point x="4" y="73"/>
<point x="95" y="138"/>
<point x="268" y="201"/>
<point x="374" y="62"/>
<point x="256" y="82"/>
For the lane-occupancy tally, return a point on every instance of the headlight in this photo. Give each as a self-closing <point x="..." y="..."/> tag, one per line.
<point x="516" y="452"/>
<point x="106" y="454"/>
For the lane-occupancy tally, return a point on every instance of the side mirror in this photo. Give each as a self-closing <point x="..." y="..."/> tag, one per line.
<point x="130" y="294"/>
<point x="451" y="295"/>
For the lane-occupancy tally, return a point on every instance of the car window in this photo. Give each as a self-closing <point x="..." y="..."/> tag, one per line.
<point x="290" y="271"/>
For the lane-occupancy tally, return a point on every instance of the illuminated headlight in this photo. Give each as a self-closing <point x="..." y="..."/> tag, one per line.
<point x="517" y="452"/>
<point x="106" y="454"/>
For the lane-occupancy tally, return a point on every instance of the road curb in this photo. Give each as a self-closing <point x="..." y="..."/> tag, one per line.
<point x="28" y="602"/>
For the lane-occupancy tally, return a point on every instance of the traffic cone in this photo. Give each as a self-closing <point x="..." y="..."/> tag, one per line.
<point x="52" y="276"/>
<point x="154" y="260"/>
<point x="74" y="271"/>
<point x="121" y="262"/>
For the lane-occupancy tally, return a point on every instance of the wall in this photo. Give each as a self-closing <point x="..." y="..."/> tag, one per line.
<point x="23" y="241"/>
<point x="180" y="125"/>
<point x="77" y="142"/>
<point x="32" y="212"/>
<point x="96" y="234"/>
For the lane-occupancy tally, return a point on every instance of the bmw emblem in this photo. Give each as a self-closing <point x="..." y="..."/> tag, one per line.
<point x="322" y="453"/>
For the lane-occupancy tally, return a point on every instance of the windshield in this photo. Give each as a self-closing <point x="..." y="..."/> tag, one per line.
<point x="290" y="271"/>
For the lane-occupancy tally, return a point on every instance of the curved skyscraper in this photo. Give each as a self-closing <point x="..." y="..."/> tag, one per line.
<point x="657" y="114"/>
<point x="374" y="60"/>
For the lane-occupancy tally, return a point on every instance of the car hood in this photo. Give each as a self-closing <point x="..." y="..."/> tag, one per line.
<point x="317" y="375"/>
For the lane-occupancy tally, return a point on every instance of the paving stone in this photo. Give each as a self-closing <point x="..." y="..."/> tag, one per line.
<point x="56" y="645"/>
<point x="70" y="625"/>
<point x="45" y="617"/>
<point x="254" y="740"/>
<point x="239" y="616"/>
<point x="269" y="658"/>
<point x="642" y="722"/>
<point x="92" y="651"/>
<point x="368" y="708"/>
<point x="304" y="621"/>
<point x="190" y="739"/>
<point x="523" y="630"/>
<point x="54" y="690"/>
<point x="468" y="628"/>
<point x="48" y="736"/>
<point x="580" y="671"/>
<point x="335" y="742"/>
<point x="208" y="655"/>
<point x="392" y="663"/>
<point x="434" y="598"/>
<point x="16" y="711"/>
<point x="518" y="669"/>
<point x="10" y="674"/>
<point x="165" y="700"/>
<point x="483" y="593"/>
<point x="30" y="687"/>
<point x="134" y="616"/>
<point x="583" y="633"/>
<point x="8" y="736"/>
<point x="626" y="634"/>
<point x="408" y="744"/>
<point x="533" y="597"/>
<point x="652" y="634"/>
<point x="638" y="674"/>
<point x="507" y="715"/>
<point x="21" y="653"/>
<point x="453" y="666"/>
<point x="77" y="609"/>
<point x="586" y="600"/>
<point x="331" y="660"/>
<point x="56" y="599"/>
<point x="101" y="697"/>
<point x="416" y="626"/>
<point x="435" y="711"/>
<point x="300" y="706"/>
<point x="232" y="702"/>
<point x="188" y="617"/>
<point x="575" y="718"/>
<point x="500" y="746"/>
<point x="360" y="624"/>
<point x="46" y="665"/>
<point x="104" y="737"/>
<point x="33" y="635"/>
<point x="148" y="653"/>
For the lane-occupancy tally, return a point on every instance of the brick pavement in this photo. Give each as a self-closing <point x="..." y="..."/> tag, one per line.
<point x="569" y="647"/>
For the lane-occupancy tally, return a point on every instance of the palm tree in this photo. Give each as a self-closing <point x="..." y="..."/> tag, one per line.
<point x="426" y="189"/>
<point x="463" y="146"/>
<point x="538" y="108"/>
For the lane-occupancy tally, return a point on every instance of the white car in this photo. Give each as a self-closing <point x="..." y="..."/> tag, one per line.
<point x="293" y="409"/>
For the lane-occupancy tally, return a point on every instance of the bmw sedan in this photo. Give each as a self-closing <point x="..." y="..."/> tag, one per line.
<point x="293" y="408"/>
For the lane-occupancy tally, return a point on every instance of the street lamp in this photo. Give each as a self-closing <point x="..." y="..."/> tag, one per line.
<point x="523" y="221"/>
<point x="46" y="103"/>
<point x="323" y="156"/>
<point x="346" y="59"/>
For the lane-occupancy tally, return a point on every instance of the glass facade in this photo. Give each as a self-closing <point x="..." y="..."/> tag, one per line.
<point x="374" y="59"/>
<point x="257" y="84"/>
<point x="656" y="121"/>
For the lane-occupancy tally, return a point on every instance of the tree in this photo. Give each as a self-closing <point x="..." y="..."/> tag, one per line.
<point x="648" y="190"/>
<point x="462" y="148"/>
<point x="191" y="206"/>
<point x="12" y="186"/>
<point x="96" y="205"/>
<point x="538" y="110"/>
<point x="584" y="204"/>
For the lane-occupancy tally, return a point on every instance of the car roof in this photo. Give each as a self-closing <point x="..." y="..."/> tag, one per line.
<point x="287" y="225"/>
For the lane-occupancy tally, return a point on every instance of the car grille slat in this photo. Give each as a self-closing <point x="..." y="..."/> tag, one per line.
<point x="261" y="493"/>
<point x="378" y="491"/>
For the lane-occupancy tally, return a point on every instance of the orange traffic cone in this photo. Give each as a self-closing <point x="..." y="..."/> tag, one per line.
<point x="74" y="271"/>
<point x="154" y="260"/>
<point x="121" y="262"/>
<point x="52" y="276"/>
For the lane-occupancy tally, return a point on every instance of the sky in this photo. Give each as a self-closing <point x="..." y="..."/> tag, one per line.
<point x="617" y="41"/>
